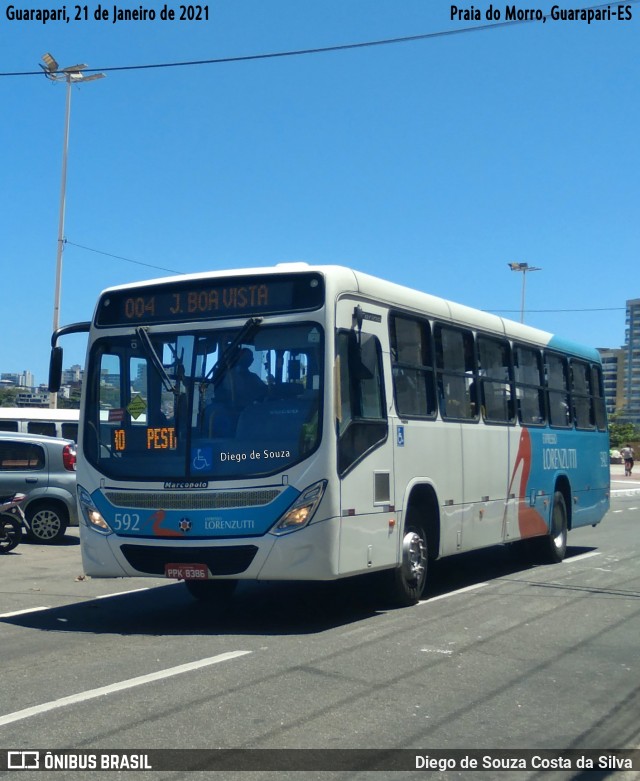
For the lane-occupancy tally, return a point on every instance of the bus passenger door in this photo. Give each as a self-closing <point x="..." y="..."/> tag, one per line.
<point x="365" y="448"/>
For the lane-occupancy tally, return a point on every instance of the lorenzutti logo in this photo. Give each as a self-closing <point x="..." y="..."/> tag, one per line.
<point x="218" y="524"/>
<point x="184" y="525"/>
<point x="559" y="458"/>
<point x="186" y="484"/>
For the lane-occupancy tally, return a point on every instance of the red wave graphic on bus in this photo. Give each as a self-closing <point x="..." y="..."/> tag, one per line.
<point x="157" y="518"/>
<point x="530" y="521"/>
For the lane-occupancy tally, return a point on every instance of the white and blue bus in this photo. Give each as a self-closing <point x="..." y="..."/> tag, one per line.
<point x="314" y="422"/>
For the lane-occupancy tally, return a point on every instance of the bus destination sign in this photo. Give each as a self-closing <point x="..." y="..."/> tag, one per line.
<point x="211" y="299"/>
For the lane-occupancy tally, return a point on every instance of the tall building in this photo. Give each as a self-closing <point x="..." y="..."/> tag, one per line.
<point x="18" y="379"/>
<point x="631" y="401"/>
<point x="613" y="377"/>
<point x="621" y="370"/>
<point x="72" y="375"/>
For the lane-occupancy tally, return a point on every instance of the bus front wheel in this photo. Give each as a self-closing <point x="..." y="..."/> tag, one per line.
<point x="410" y="577"/>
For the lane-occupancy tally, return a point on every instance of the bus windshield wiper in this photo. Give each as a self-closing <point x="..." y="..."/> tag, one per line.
<point x="149" y="349"/>
<point x="230" y="355"/>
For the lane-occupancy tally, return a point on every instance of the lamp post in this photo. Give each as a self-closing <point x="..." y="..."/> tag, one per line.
<point x="524" y="268"/>
<point x="71" y="75"/>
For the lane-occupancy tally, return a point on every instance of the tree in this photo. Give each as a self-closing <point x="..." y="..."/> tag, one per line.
<point x="8" y="397"/>
<point x="621" y="434"/>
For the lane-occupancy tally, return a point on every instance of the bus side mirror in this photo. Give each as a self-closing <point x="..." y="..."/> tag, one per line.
<point x="55" y="369"/>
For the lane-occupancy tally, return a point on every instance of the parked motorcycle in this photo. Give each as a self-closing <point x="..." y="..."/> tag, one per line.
<point x="12" y="521"/>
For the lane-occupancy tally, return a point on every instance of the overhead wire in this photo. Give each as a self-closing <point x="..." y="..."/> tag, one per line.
<point x="311" y="51"/>
<point x="495" y="311"/>
<point x="120" y="257"/>
<point x="318" y="49"/>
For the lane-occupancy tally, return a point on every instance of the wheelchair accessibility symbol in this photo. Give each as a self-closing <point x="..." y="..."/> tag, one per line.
<point x="400" y="436"/>
<point x="201" y="458"/>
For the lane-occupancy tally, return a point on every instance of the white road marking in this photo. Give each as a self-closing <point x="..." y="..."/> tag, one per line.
<point x="48" y="607"/>
<point x="480" y="585"/>
<point x="116" y="687"/>
<point x="452" y="593"/>
<point x="22" y="612"/>
<point x="571" y="559"/>
<point x="120" y="593"/>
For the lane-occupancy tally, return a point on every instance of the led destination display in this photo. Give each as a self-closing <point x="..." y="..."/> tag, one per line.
<point x="211" y="299"/>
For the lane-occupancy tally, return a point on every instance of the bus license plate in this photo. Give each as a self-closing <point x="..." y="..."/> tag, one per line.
<point x="186" y="571"/>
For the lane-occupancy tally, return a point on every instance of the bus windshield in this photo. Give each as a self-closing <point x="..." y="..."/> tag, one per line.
<point x="202" y="405"/>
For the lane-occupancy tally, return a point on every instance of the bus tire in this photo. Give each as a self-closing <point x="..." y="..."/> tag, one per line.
<point x="553" y="547"/>
<point x="409" y="579"/>
<point x="211" y="591"/>
<point x="47" y="522"/>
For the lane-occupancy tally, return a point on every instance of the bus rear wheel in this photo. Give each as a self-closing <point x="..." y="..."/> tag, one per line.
<point x="553" y="547"/>
<point x="211" y="591"/>
<point x="409" y="579"/>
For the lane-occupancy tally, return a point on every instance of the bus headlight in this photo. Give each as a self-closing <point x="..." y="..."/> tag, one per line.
<point x="90" y="513"/>
<point x="301" y="511"/>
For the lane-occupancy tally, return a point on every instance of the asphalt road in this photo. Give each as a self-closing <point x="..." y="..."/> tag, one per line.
<point x="503" y="655"/>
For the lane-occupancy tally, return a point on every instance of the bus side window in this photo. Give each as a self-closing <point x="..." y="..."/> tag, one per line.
<point x="41" y="427"/>
<point x="583" y="412"/>
<point x="495" y="380"/>
<point x="527" y="363"/>
<point x="455" y="365"/>
<point x="558" y="391"/>
<point x="360" y="401"/>
<point x="597" y="390"/>
<point x="412" y="367"/>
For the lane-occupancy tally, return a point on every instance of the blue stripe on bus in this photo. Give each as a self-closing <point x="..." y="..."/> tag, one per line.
<point x="211" y="523"/>
<point x="574" y="348"/>
<point x="546" y="454"/>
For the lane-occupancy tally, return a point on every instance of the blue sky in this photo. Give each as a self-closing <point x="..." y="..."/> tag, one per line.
<point x="432" y="163"/>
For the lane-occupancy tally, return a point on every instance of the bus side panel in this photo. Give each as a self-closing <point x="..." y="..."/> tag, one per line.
<point x="547" y="459"/>
<point x="430" y="453"/>
<point x="485" y="469"/>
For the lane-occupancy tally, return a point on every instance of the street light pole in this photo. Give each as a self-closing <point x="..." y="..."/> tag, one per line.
<point x="63" y="189"/>
<point x="524" y="268"/>
<point x="71" y="74"/>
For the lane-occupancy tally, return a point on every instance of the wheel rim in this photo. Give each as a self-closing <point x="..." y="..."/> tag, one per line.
<point x="559" y="528"/>
<point x="45" y="524"/>
<point x="414" y="557"/>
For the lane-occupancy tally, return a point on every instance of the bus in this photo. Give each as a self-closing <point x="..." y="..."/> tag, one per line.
<point x="384" y="428"/>
<point x="62" y="423"/>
